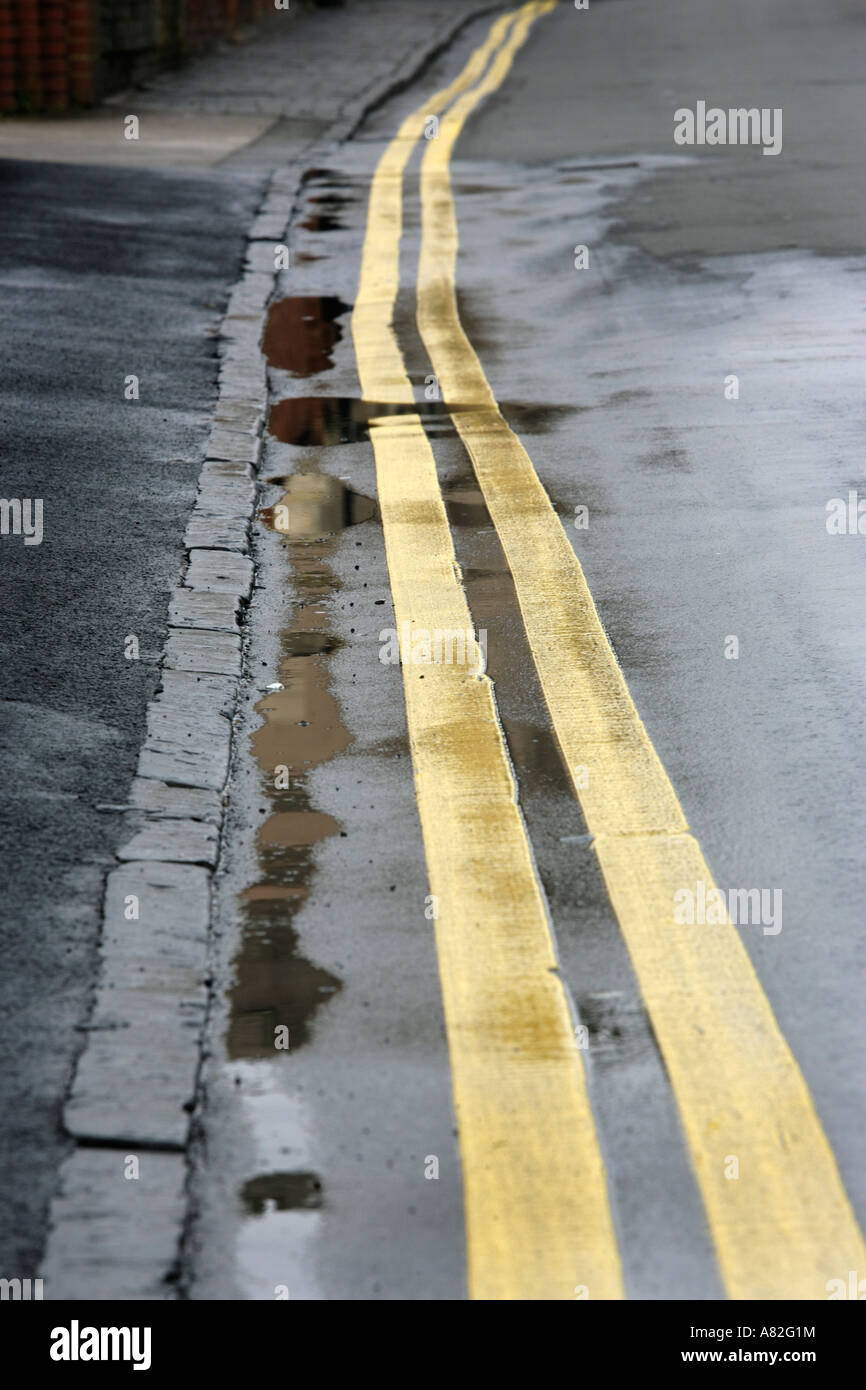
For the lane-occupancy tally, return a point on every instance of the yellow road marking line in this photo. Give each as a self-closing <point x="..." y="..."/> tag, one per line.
<point x="785" y="1226"/>
<point x="537" y="1217"/>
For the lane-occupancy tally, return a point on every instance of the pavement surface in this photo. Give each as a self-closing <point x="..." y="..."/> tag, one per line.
<point x="706" y="523"/>
<point x="444" y="1019"/>
<point x="94" y="289"/>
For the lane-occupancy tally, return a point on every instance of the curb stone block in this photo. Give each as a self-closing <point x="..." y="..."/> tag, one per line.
<point x="162" y="801"/>
<point x="270" y="226"/>
<point x="238" y="414"/>
<point x="209" y="533"/>
<point x="199" y="608"/>
<point x="220" y="572"/>
<point x="220" y="469"/>
<point x="152" y="985"/>
<point x="233" y="445"/>
<point x="114" y="1238"/>
<point x="195" y="650"/>
<point x="189" y="731"/>
<point x="174" y="842"/>
<point x="260" y="258"/>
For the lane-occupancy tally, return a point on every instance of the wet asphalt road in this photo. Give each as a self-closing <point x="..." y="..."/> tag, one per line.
<point x="708" y="516"/>
<point x="104" y="273"/>
<point x="706" y="521"/>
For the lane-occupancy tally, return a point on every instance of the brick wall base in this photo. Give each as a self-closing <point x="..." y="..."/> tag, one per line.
<point x="57" y="54"/>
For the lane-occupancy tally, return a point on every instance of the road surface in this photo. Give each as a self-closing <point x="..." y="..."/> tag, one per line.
<point x="699" y="518"/>
<point x="533" y="969"/>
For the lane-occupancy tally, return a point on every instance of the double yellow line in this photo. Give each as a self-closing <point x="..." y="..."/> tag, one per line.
<point x="537" y="1214"/>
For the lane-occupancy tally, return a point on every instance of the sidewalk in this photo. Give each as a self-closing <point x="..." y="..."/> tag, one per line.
<point x="284" y="89"/>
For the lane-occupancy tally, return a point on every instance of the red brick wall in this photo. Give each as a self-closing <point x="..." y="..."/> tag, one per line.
<point x="206" y="20"/>
<point x="8" y="32"/>
<point x="28" y="74"/>
<point x="81" y="51"/>
<point x="53" y="57"/>
<point x="53" y="52"/>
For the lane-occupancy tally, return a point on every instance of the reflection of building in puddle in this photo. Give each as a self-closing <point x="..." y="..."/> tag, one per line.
<point x="322" y="222"/>
<point x="308" y="421"/>
<point x="301" y="333"/>
<point x="303" y="725"/>
<point x="536" y="756"/>
<point x="465" y="506"/>
<point x="281" y="1192"/>
<point x="312" y="420"/>
<point x="275" y="987"/>
<point x="316" y="505"/>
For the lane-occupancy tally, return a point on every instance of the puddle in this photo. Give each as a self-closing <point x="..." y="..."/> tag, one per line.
<point x="541" y="774"/>
<point x="465" y="506"/>
<point x="310" y="643"/>
<point x="322" y="222"/>
<point x="330" y="176"/>
<point x="277" y="991"/>
<point x="308" y="421"/>
<point x="324" y="213"/>
<point x="301" y="333"/>
<point x="281" y="1192"/>
<point x="324" y="208"/>
<point x="535" y="751"/>
<point x="619" y="1027"/>
<point x="316" y="505"/>
<point x="274" y="985"/>
<point x="325" y="420"/>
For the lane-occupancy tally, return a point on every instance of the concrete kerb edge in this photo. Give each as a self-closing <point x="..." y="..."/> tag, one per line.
<point x="357" y="110"/>
<point x="176" y="807"/>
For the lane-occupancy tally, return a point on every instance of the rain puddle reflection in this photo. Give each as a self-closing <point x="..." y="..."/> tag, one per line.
<point x="324" y="420"/>
<point x="277" y="990"/>
<point x="314" y="506"/>
<point x="281" y="1192"/>
<point x="302" y="331"/>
